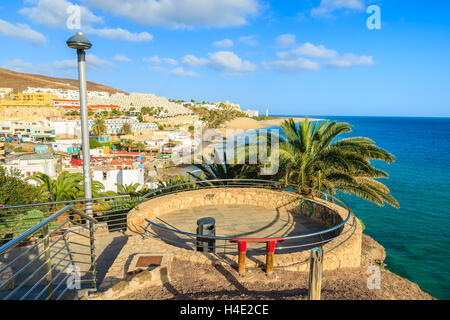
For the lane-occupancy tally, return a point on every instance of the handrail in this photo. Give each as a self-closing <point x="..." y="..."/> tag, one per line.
<point x="63" y="202"/>
<point x="279" y="183"/>
<point x="14" y="242"/>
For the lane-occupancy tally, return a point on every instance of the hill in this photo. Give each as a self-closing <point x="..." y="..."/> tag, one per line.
<point x="21" y="81"/>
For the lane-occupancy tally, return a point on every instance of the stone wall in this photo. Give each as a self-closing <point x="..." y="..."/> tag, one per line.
<point x="346" y="255"/>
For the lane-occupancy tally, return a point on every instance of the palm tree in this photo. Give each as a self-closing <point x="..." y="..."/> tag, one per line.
<point x="126" y="189"/>
<point x="66" y="187"/>
<point x="224" y="170"/>
<point x="128" y="144"/>
<point x="99" y="128"/>
<point x="312" y="158"/>
<point x="139" y="146"/>
<point x="126" y="129"/>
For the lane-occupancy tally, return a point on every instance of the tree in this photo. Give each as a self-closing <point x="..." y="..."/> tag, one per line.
<point x="224" y="170"/>
<point x="312" y="158"/>
<point x="68" y="186"/>
<point x="139" y="145"/>
<point x="99" y="127"/>
<point x="126" y="189"/>
<point x="126" y="129"/>
<point x="15" y="191"/>
<point x="128" y="144"/>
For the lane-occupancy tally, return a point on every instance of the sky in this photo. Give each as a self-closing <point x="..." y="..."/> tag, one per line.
<point x="303" y="57"/>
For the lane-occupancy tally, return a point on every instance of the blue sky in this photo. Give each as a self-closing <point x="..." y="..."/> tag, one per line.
<point x="312" y="57"/>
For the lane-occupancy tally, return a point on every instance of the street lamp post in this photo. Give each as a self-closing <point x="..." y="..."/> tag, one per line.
<point x="80" y="43"/>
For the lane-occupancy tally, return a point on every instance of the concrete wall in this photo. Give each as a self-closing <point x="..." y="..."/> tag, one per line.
<point x="346" y="255"/>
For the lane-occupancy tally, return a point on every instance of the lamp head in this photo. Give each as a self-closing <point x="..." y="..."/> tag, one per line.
<point x="79" y="42"/>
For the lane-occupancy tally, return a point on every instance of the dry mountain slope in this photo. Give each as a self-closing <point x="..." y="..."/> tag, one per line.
<point x="21" y="81"/>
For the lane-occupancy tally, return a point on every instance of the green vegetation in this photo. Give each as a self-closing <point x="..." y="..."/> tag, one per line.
<point x="152" y="111"/>
<point x="218" y="117"/>
<point x="68" y="186"/>
<point x="312" y="158"/>
<point x="128" y="144"/>
<point x="259" y="118"/>
<point x="14" y="191"/>
<point x="130" y="189"/>
<point x="126" y="129"/>
<point x="99" y="127"/>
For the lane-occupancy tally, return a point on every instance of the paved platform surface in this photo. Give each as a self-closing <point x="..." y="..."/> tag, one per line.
<point x="238" y="221"/>
<point x="231" y="221"/>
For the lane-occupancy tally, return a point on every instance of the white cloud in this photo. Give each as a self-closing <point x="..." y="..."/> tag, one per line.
<point x="157" y="60"/>
<point x="92" y="62"/>
<point x="154" y="59"/>
<point x="180" y="72"/>
<point x="249" y="40"/>
<point x="170" y="61"/>
<point x="296" y="65"/>
<point x="53" y="13"/>
<point x="192" y="61"/>
<point x="182" y="13"/>
<point x="122" y="58"/>
<point x="23" y="32"/>
<point x="326" y="7"/>
<point x="312" y="51"/>
<point x="228" y="61"/>
<point x="21" y="66"/>
<point x="224" y="43"/>
<point x="299" y="59"/>
<point x="350" y="60"/>
<point x="157" y="69"/>
<point x="121" y="34"/>
<point x="285" y="40"/>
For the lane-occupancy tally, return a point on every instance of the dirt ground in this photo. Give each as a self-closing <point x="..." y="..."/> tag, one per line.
<point x="216" y="282"/>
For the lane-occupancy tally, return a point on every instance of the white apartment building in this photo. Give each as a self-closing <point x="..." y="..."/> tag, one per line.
<point x="65" y="127"/>
<point x="67" y="93"/>
<point x="109" y="177"/>
<point x="5" y="92"/>
<point x="66" y="145"/>
<point x="114" y="126"/>
<point x="29" y="167"/>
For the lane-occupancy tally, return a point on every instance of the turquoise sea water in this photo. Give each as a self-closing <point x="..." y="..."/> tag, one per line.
<point x="416" y="236"/>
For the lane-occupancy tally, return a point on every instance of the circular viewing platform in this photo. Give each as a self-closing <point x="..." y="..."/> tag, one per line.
<point x="255" y="212"/>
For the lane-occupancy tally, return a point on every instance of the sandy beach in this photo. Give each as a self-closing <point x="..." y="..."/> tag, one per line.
<point x="249" y="124"/>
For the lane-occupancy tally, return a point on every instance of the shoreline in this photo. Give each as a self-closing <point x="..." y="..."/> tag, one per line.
<point x="251" y="124"/>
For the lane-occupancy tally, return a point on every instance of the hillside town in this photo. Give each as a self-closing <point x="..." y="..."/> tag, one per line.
<point x="134" y="137"/>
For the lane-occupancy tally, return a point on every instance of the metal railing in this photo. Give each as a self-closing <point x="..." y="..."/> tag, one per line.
<point x="342" y="229"/>
<point x="44" y="247"/>
<point x="48" y="249"/>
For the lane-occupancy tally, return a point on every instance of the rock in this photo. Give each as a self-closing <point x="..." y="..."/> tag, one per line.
<point x="372" y="252"/>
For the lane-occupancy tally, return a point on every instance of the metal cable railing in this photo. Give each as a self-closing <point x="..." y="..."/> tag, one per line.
<point x="48" y="249"/>
<point x="44" y="247"/>
<point x="342" y="230"/>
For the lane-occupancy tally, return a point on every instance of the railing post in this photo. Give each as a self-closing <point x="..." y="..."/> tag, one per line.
<point x="269" y="257"/>
<point x="48" y="263"/>
<point x="92" y="248"/>
<point x="315" y="274"/>
<point x="242" y="247"/>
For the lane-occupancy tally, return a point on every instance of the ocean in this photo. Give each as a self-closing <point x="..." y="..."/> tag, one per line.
<point x="416" y="236"/>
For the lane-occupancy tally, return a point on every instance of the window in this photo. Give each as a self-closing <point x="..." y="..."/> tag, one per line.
<point x="105" y="175"/>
